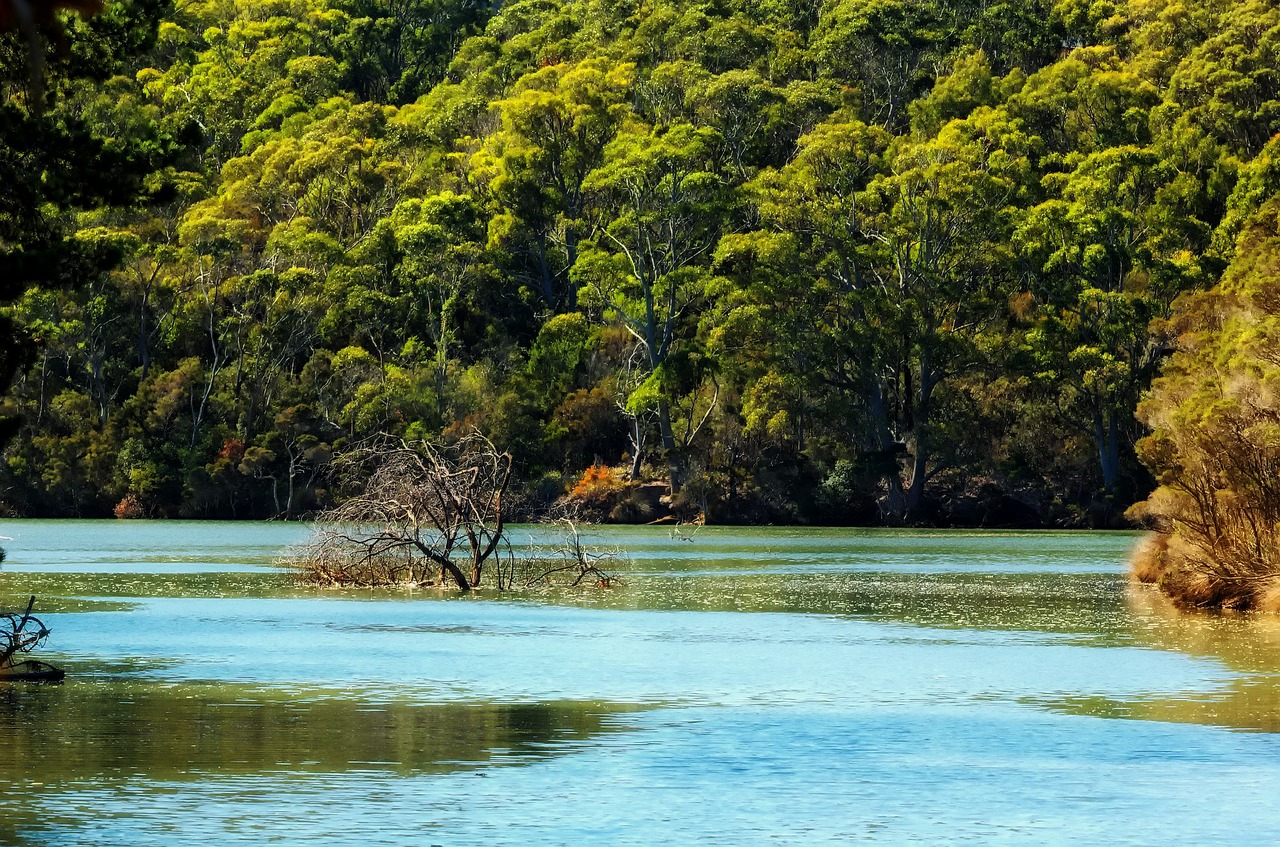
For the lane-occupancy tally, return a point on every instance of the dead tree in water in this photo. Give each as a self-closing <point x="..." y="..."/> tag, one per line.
<point x="22" y="633"/>
<point x="570" y="563"/>
<point x="425" y="515"/>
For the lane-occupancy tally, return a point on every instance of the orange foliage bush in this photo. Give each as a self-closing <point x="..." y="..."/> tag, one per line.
<point x="130" y="507"/>
<point x="597" y="480"/>
<point x="597" y="494"/>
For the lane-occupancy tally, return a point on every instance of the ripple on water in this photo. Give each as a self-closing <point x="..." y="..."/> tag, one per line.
<point x="753" y="687"/>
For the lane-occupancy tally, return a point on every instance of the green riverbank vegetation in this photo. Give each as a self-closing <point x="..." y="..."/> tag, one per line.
<point x="1215" y="440"/>
<point x="852" y="261"/>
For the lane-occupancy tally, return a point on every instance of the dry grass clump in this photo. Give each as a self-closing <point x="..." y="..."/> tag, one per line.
<point x="1268" y="596"/>
<point x="1198" y="578"/>
<point x="565" y="562"/>
<point x="1147" y="561"/>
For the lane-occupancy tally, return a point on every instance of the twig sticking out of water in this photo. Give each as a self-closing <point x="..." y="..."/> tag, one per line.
<point x="20" y="633"/>
<point x="678" y="535"/>
<point x="571" y="563"/>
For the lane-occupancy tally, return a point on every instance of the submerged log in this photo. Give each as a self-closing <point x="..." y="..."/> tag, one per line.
<point x="31" y="670"/>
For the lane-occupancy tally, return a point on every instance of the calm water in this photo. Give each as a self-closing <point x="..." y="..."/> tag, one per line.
<point x="760" y="686"/>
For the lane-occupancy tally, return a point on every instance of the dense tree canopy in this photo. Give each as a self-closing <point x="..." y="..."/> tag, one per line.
<point x="849" y="261"/>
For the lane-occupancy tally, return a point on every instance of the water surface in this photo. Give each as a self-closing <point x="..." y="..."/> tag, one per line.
<point x="751" y="686"/>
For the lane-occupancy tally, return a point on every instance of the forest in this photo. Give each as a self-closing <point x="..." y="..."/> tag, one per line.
<point x="906" y="262"/>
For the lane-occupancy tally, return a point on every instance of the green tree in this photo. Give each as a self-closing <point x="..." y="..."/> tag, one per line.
<point x="53" y="163"/>
<point x="393" y="51"/>
<point x="661" y="201"/>
<point x="1102" y="279"/>
<point x="555" y="128"/>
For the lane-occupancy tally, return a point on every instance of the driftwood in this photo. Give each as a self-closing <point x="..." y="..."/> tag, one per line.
<point x="22" y="633"/>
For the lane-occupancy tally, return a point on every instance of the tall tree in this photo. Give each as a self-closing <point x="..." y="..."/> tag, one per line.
<point x="51" y="160"/>
<point x="660" y="199"/>
<point x="555" y="128"/>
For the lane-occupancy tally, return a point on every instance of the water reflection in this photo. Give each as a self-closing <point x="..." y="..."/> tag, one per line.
<point x="1248" y="644"/>
<point x="85" y="730"/>
<point x="909" y="688"/>
<point x="95" y="732"/>
<point x="1245" y="642"/>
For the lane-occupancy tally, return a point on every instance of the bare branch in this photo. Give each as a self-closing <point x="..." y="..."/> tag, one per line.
<point x="424" y="515"/>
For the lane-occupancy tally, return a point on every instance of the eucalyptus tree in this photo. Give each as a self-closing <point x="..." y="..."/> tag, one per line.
<point x="1110" y="243"/>
<point x="889" y="47"/>
<point x="938" y="227"/>
<point x="1225" y="87"/>
<point x="906" y="268"/>
<point x="394" y="51"/>
<point x="798" y="321"/>
<point x="1101" y="278"/>
<point x="661" y="202"/>
<point x="556" y="125"/>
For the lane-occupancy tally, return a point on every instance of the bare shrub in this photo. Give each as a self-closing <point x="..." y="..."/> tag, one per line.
<point x="421" y="515"/>
<point x="569" y="563"/>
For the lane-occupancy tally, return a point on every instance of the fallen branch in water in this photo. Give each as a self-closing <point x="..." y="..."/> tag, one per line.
<point x="22" y="633"/>
<point x="422" y="514"/>
<point x="570" y="563"/>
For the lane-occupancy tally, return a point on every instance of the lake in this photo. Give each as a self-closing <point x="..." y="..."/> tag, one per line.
<point x="749" y="687"/>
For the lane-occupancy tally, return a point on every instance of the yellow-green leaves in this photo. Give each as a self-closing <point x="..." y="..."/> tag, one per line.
<point x="1215" y="441"/>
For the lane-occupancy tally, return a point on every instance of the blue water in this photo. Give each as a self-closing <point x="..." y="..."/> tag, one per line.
<point x="754" y="686"/>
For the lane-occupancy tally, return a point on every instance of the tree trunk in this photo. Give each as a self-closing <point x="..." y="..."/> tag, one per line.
<point x="888" y="447"/>
<point x="449" y="569"/>
<point x="571" y="256"/>
<point x="144" y="340"/>
<point x="675" y="464"/>
<point x="1106" y="434"/>
<point x="920" y="419"/>
<point x="637" y="447"/>
<point x="919" y="475"/>
<point x="545" y="280"/>
<point x="294" y="471"/>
